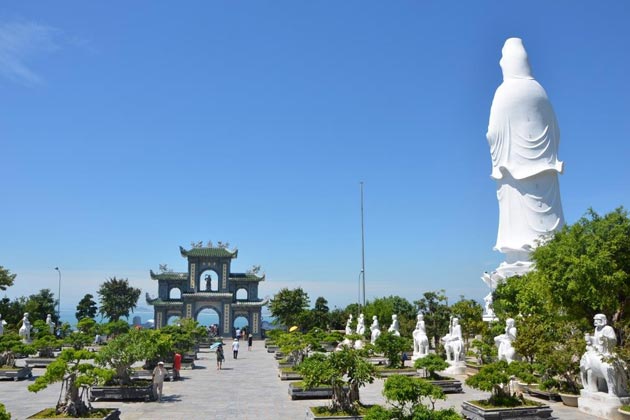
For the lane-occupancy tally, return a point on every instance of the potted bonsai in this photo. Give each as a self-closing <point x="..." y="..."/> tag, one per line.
<point x="11" y="346"/>
<point x="502" y="403"/>
<point x="407" y="398"/>
<point x="76" y="375"/>
<point x="431" y="364"/>
<point x="392" y="347"/>
<point x="119" y="355"/>
<point x="345" y="372"/>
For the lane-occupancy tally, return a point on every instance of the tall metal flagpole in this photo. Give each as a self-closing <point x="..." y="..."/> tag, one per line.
<point x="362" y="246"/>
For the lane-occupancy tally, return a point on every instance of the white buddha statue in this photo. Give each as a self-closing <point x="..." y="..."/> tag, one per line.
<point x="375" y="329"/>
<point x="524" y="137"/>
<point x="393" y="329"/>
<point x="420" y="339"/>
<point x="504" y="342"/>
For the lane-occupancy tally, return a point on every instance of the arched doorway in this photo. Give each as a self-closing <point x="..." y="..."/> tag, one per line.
<point x="209" y="281"/>
<point x="173" y="319"/>
<point x="208" y="316"/>
<point x="241" y="294"/>
<point x="240" y="322"/>
<point x="175" y="293"/>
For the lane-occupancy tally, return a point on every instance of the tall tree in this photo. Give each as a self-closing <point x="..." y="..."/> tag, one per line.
<point x="287" y="306"/>
<point x="587" y="265"/>
<point x="6" y="278"/>
<point x="117" y="298"/>
<point x="470" y="313"/>
<point x="40" y="305"/>
<point x="12" y="310"/>
<point x="385" y="307"/>
<point x="434" y="307"/>
<point x="86" y="308"/>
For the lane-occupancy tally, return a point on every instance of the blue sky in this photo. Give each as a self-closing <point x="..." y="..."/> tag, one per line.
<point x="128" y="129"/>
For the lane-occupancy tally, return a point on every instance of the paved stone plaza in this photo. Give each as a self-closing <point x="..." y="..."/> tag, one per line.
<point x="246" y="389"/>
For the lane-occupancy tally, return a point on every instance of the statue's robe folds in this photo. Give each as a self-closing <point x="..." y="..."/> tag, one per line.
<point x="523" y="136"/>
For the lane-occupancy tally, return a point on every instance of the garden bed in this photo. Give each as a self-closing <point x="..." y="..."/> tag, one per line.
<point x="385" y="372"/>
<point x="298" y="392"/>
<point x="473" y="410"/>
<point x="448" y="386"/>
<point x="16" y="373"/>
<point x="97" y="413"/>
<point x="39" y="362"/>
<point x="141" y="390"/>
<point x="287" y="374"/>
<point x="323" y="413"/>
<point x="534" y="391"/>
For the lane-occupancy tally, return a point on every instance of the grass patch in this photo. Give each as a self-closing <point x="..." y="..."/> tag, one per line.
<point x="505" y="402"/>
<point x="324" y="411"/>
<point x="402" y="369"/>
<point x="625" y="408"/>
<point x="288" y="370"/>
<point x="49" y="413"/>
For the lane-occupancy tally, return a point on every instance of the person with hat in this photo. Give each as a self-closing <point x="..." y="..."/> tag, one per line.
<point x="159" y="374"/>
<point x="235" y="346"/>
<point x="220" y="356"/>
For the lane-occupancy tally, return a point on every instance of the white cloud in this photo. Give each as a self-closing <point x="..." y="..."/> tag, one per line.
<point x="22" y="42"/>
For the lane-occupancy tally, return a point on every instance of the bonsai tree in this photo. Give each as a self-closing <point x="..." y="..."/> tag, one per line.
<point x="392" y="346"/>
<point x="4" y="415"/>
<point x="44" y="341"/>
<point x="431" y="363"/>
<point x="126" y="349"/>
<point x="181" y="338"/>
<point x="562" y="365"/>
<point x="114" y="328"/>
<point x="11" y="345"/>
<point x="407" y="398"/>
<point x="76" y="375"/>
<point x="495" y="378"/>
<point x="345" y="371"/>
<point x="297" y="345"/>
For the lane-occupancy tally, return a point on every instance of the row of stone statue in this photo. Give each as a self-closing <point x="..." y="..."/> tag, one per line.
<point x="25" y="329"/>
<point x="453" y="341"/>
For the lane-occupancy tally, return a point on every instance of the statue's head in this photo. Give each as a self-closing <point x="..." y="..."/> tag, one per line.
<point x="514" y="62"/>
<point x="509" y="322"/>
<point x="600" y="320"/>
<point x="455" y="321"/>
<point x="394" y="317"/>
<point x="25" y="314"/>
<point x="420" y="317"/>
<point x="374" y="318"/>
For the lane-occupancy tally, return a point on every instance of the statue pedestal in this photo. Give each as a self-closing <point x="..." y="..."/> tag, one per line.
<point x="602" y="405"/>
<point x="455" y="368"/>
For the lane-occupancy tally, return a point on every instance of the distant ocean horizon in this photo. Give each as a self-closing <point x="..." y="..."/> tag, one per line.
<point x="145" y="315"/>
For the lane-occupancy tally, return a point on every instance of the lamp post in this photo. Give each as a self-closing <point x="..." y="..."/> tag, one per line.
<point x="362" y="247"/>
<point x="59" y="297"/>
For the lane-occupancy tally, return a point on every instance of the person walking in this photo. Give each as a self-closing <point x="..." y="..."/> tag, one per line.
<point x="235" y="347"/>
<point x="159" y="374"/>
<point x="220" y="356"/>
<point x="250" y="341"/>
<point x="177" y="365"/>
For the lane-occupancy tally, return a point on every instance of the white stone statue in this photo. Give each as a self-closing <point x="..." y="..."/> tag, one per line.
<point x="2" y="323"/>
<point x="376" y="329"/>
<point x="349" y="325"/>
<point x="420" y="339"/>
<point x="358" y="344"/>
<point x="454" y="342"/>
<point x="600" y="370"/>
<point x="504" y="342"/>
<point x="50" y="323"/>
<point x="25" y="329"/>
<point x="361" y="325"/>
<point x="524" y="137"/>
<point x="393" y="329"/>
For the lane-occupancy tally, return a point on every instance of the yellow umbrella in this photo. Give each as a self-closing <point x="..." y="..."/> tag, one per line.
<point x="293" y="328"/>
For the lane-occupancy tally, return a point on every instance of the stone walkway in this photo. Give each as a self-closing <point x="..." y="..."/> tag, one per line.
<point x="246" y="389"/>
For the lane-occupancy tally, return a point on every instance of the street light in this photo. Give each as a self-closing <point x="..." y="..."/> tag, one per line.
<point x="59" y="297"/>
